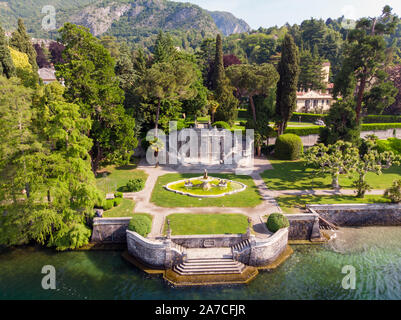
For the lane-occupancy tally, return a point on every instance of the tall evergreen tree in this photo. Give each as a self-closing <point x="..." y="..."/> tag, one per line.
<point x="288" y="69"/>
<point x="7" y="67"/>
<point x="22" y="42"/>
<point x="218" y="65"/>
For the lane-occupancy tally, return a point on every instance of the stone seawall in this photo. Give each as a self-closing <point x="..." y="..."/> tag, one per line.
<point x="360" y="215"/>
<point x="209" y="241"/>
<point x="304" y="227"/>
<point x="110" y="230"/>
<point x="154" y="253"/>
<point x="266" y="251"/>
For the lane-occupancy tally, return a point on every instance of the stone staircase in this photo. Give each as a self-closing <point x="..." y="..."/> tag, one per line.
<point x="209" y="266"/>
<point x="180" y="248"/>
<point x="241" y="246"/>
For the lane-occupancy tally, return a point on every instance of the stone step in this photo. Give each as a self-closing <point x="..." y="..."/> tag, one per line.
<point x="210" y="266"/>
<point x="241" y="246"/>
<point x="205" y="265"/>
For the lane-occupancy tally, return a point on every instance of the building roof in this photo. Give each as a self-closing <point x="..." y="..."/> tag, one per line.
<point x="313" y="95"/>
<point x="47" y="74"/>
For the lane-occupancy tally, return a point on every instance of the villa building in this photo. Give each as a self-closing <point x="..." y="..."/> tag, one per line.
<point x="317" y="101"/>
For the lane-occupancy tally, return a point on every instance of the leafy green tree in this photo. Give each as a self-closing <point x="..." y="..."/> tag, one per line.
<point x="336" y="159"/>
<point x="22" y="42"/>
<point x="91" y="83"/>
<point x="379" y="98"/>
<point x="251" y="80"/>
<point x="288" y="69"/>
<point x="341" y="124"/>
<point x="167" y="81"/>
<point x="372" y="161"/>
<point x="364" y="57"/>
<point x="164" y="48"/>
<point x="7" y="67"/>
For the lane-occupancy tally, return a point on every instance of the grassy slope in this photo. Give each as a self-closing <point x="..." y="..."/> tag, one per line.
<point x="294" y="175"/>
<point x="163" y="198"/>
<point x="117" y="177"/>
<point x="189" y="224"/>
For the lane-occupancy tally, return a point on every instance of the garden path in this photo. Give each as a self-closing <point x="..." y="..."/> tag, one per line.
<point x="143" y="204"/>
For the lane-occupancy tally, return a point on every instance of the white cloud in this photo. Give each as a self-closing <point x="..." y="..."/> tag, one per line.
<point x="349" y="12"/>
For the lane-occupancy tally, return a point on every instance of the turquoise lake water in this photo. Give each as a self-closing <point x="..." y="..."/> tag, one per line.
<point x="312" y="272"/>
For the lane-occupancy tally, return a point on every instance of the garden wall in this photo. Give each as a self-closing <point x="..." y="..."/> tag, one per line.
<point x="266" y="251"/>
<point x="110" y="230"/>
<point x="209" y="241"/>
<point x="360" y="215"/>
<point x="154" y="253"/>
<point x="304" y="227"/>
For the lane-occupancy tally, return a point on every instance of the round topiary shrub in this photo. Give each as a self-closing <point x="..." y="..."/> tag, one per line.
<point x="108" y="204"/>
<point x="277" y="221"/>
<point x="141" y="225"/>
<point x="221" y="125"/>
<point x="288" y="147"/>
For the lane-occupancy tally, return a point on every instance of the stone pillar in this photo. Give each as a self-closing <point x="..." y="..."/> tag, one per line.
<point x="315" y="234"/>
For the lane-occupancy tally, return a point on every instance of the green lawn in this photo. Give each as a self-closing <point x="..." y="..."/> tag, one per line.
<point x="125" y="209"/>
<point x="190" y="224"/>
<point x="293" y="204"/>
<point x="294" y="175"/>
<point x="163" y="198"/>
<point x="110" y="179"/>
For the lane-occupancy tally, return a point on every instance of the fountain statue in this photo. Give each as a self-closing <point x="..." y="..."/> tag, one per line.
<point x="205" y="176"/>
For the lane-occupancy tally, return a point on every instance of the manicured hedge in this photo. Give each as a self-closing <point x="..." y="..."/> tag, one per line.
<point x="303" y="131"/>
<point x="306" y="131"/>
<point x="307" y="117"/>
<point x="380" y="126"/>
<point x="277" y="221"/>
<point x="140" y="224"/>
<point x="288" y="147"/>
<point x="381" y="119"/>
<point x="391" y="144"/>
<point x="243" y="114"/>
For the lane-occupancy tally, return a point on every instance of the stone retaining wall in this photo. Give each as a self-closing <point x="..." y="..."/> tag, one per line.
<point x="110" y="230"/>
<point x="265" y="251"/>
<point x="154" y="253"/>
<point x="304" y="226"/>
<point x="209" y="241"/>
<point x="360" y="215"/>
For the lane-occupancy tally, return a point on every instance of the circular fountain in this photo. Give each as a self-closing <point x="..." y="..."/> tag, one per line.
<point x="205" y="187"/>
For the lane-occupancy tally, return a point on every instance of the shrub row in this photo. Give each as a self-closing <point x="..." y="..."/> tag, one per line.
<point x="312" y="117"/>
<point x="307" y="117"/>
<point x="221" y="125"/>
<point x="306" y="131"/>
<point x="381" y="119"/>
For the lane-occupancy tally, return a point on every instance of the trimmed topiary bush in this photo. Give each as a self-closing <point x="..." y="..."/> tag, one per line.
<point x="221" y="125"/>
<point x="288" y="147"/>
<point x="277" y="221"/>
<point x="141" y="225"/>
<point x="134" y="185"/>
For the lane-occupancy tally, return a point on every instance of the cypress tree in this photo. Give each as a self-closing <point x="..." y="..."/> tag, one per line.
<point x="22" y="42"/>
<point x="288" y="69"/>
<point x="7" y="67"/>
<point x="218" y="67"/>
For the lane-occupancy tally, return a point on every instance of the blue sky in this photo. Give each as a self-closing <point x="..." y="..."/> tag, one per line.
<point x="267" y="13"/>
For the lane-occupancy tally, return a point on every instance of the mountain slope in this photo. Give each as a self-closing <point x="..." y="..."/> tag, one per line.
<point x="128" y="18"/>
<point x="228" y="23"/>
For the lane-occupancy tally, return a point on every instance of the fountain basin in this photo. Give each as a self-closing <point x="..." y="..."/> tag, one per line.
<point x="198" y="189"/>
